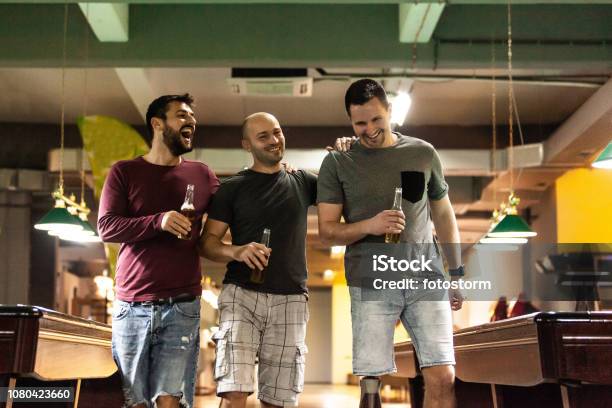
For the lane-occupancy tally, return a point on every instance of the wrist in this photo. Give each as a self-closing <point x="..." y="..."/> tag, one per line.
<point x="365" y="227"/>
<point x="457" y="272"/>
<point x="233" y="252"/>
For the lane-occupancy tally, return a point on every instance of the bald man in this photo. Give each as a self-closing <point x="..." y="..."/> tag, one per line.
<point x="262" y="322"/>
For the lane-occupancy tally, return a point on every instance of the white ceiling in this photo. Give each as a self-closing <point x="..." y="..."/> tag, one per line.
<point x="32" y="95"/>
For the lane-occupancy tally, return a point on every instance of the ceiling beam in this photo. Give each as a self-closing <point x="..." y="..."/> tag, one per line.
<point x="109" y="21"/>
<point x="584" y="133"/>
<point x="417" y="22"/>
<point x="137" y="85"/>
<point x="348" y="2"/>
<point x="310" y="36"/>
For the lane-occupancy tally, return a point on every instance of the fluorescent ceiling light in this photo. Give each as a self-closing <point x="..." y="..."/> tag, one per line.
<point x="400" y="105"/>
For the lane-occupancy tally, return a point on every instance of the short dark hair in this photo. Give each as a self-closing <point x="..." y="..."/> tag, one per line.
<point x="362" y="91"/>
<point x="159" y="107"/>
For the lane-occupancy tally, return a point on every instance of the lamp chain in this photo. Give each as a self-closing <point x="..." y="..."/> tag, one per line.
<point x="63" y="102"/>
<point x="493" y="119"/>
<point x="510" y="102"/>
<point x="86" y="35"/>
<point x="416" y="36"/>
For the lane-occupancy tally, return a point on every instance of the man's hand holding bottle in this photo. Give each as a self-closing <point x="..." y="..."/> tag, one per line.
<point x="255" y="255"/>
<point x="386" y="222"/>
<point x="176" y="223"/>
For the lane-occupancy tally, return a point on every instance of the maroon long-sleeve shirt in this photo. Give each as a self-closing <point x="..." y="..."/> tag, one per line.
<point x="153" y="264"/>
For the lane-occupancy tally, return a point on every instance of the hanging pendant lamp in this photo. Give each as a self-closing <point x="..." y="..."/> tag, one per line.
<point x="59" y="220"/>
<point x="507" y="224"/>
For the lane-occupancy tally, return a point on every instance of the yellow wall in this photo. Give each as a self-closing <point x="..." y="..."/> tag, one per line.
<point x="584" y="206"/>
<point x="342" y="335"/>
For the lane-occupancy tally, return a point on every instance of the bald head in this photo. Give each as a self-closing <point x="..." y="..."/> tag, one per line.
<point x="263" y="137"/>
<point x="258" y="121"/>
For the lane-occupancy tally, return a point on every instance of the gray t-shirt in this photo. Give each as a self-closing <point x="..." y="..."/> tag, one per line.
<point x="363" y="180"/>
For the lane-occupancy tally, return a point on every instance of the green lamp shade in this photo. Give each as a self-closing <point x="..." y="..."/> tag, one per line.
<point x="87" y="228"/>
<point x="58" y="219"/>
<point x="511" y="226"/>
<point x="79" y="237"/>
<point x="604" y="161"/>
<point x="86" y="231"/>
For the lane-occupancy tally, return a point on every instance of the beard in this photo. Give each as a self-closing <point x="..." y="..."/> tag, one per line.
<point x="268" y="158"/>
<point x="174" y="141"/>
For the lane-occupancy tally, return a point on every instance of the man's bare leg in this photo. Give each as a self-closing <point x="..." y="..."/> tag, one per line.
<point x="439" y="386"/>
<point x="233" y="399"/>
<point x="370" y="392"/>
<point x="167" y="401"/>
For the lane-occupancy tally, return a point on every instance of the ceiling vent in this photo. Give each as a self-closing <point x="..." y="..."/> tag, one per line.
<point x="270" y="82"/>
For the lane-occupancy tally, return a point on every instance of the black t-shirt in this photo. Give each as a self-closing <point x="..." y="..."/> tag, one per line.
<point x="249" y="202"/>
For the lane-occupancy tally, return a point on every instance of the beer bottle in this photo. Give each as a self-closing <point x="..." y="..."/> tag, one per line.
<point x="397" y="206"/>
<point x="188" y="210"/>
<point x="257" y="275"/>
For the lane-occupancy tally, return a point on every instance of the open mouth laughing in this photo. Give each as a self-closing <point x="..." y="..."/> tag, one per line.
<point x="373" y="137"/>
<point x="187" y="133"/>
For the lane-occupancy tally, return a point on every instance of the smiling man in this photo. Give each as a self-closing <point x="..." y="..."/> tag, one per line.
<point x="359" y="185"/>
<point x="156" y="320"/>
<point x="262" y="321"/>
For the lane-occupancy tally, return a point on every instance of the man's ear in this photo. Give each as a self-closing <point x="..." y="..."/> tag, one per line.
<point x="246" y="145"/>
<point x="157" y="123"/>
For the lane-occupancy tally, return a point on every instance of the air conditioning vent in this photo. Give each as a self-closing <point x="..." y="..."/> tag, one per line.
<point x="270" y="82"/>
<point x="301" y="87"/>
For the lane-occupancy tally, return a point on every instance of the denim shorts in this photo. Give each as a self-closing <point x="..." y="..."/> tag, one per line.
<point x="425" y="315"/>
<point x="156" y="349"/>
<point x="267" y="329"/>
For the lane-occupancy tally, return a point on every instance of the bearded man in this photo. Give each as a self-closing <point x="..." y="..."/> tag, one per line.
<point x="156" y="318"/>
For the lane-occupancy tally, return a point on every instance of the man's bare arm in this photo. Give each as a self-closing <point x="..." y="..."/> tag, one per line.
<point x="211" y="246"/>
<point x="446" y="228"/>
<point x="334" y="232"/>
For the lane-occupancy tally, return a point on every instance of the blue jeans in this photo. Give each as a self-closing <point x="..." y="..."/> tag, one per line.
<point x="426" y="315"/>
<point x="156" y="349"/>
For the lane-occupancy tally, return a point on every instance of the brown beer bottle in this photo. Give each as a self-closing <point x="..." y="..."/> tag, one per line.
<point x="397" y="206"/>
<point x="257" y="275"/>
<point x="188" y="210"/>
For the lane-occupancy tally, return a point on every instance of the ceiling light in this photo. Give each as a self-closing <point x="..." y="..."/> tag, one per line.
<point x="400" y="105"/>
